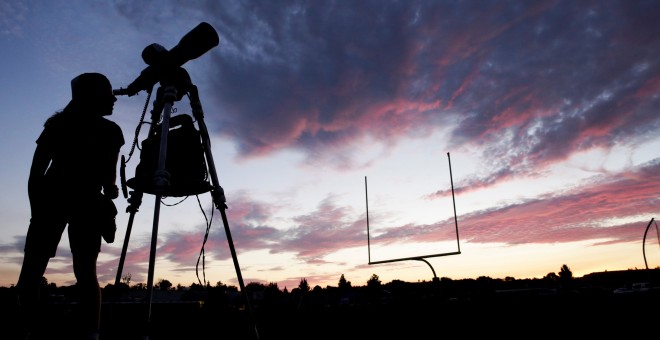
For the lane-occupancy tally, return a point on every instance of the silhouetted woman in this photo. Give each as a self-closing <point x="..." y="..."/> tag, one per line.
<point x="75" y="162"/>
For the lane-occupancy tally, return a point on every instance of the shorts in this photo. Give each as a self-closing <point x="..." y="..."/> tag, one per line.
<point x="46" y="228"/>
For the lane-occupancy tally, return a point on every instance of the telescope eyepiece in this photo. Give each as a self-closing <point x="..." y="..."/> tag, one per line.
<point x="154" y="54"/>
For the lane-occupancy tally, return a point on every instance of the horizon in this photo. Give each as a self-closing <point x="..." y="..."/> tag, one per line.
<point x="211" y="284"/>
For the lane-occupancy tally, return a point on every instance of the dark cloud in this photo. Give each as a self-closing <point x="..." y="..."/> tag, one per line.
<point x="551" y="77"/>
<point x="554" y="76"/>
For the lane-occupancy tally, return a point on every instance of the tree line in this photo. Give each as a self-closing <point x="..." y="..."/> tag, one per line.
<point x="563" y="282"/>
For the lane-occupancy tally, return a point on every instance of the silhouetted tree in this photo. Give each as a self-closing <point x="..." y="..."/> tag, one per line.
<point x="44" y="283"/>
<point x="373" y="291"/>
<point x="565" y="279"/>
<point x="255" y="287"/>
<point x="374" y="281"/>
<point x="163" y="284"/>
<point x="196" y="287"/>
<point x="126" y="278"/>
<point x="343" y="284"/>
<point x="484" y="287"/>
<point x="301" y="291"/>
<point x="550" y="280"/>
<point x="273" y="298"/>
<point x="303" y="286"/>
<point x="565" y="273"/>
<point x="255" y="290"/>
<point x="272" y="291"/>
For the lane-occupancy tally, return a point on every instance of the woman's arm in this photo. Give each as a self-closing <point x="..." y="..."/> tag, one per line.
<point x="36" y="183"/>
<point x="110" y="188"/>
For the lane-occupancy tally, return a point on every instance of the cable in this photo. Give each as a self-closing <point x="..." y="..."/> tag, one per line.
<point x="139" y="126"/>
<point x="202" y="254"/>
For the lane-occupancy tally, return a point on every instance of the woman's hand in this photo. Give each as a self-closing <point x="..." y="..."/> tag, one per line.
<point x="111" y="191"/>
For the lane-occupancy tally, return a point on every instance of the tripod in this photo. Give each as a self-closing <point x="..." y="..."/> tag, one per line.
<point x="173" y="87"/>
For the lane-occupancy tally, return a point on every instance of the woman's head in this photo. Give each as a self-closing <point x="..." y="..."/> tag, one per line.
<point x="92" y="91"/>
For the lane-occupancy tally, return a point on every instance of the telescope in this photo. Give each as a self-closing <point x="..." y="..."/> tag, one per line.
<point x="165" y="169"/>
<point x="161" y="61"/>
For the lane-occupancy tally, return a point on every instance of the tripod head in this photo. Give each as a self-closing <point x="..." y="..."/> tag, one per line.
<point x="177" y="77"/>
<point x="165" y="65"/>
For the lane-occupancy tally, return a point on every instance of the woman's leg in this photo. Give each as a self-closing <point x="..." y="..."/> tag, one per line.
<point x="85" y="243"/>
<point x="29" y="286"/>
<point x="84" y="268"/>
<point x="43" y="236"/>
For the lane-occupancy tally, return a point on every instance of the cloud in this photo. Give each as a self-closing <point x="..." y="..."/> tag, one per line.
<point x="578" y="214"/>
<point x="527" y="84"/>
<point x="587" y="212"/>
<point x="583" y="213"/>
<point x="530" y="82"/>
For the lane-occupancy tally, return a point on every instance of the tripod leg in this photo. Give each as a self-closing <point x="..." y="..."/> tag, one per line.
<point x="218" y="194"/>
<point x="135" y="201"/>
<point x="161" y="185"/>
<point x="152" y="261"/>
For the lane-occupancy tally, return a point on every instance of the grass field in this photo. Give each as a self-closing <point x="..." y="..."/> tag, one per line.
<point x="517" y="315"/>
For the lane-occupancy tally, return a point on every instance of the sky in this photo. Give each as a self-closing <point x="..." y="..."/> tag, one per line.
<point x="488" y="138"/>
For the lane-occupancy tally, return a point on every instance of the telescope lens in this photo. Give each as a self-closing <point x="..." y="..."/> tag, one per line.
<point x="195" y="43"/>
